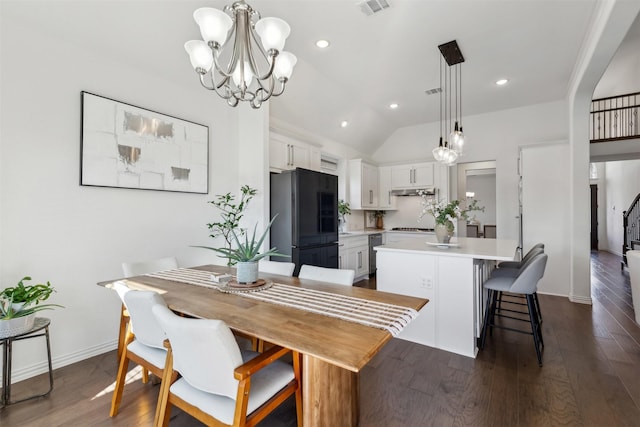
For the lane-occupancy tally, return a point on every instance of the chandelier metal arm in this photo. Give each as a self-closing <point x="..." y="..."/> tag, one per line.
<point x="269" y="56"/>
<point x="215" y="87"/>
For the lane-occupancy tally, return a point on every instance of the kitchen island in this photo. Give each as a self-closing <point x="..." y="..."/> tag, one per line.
<point x="451" y="277"/>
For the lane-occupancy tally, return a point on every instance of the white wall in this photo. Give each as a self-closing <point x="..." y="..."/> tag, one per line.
<point x="493" y="136"/>
<point x="545" y="211"/>
<point x="54" y="229"/>
<point x="622" y="182"/>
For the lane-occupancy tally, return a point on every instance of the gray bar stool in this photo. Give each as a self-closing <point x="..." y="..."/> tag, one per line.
<point x="513" y="268"/>
<point x="40" y="324"/>
<point x="524" y="284"/>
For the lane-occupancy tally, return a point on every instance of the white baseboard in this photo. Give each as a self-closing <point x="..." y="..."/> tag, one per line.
<point x="58" y="362"/>
<point x="572" y="298"/>
<point x="581" y="300"/>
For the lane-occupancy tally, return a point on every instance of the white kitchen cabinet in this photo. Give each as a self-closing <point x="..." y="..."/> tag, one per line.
<point x="286" y="153"/>
<point x="417" y="175"/>
<point x="441" y="181"/>
<point x="385" y="199"/>
<point x="354" y="255"/>
<point x="363" y="185"/>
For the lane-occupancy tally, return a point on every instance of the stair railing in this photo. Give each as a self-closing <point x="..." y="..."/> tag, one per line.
<point x="615" y="118"/>
<point x="631" y="227"/>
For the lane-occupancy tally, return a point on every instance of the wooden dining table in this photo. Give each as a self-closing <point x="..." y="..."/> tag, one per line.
<point x="333" y="350"/>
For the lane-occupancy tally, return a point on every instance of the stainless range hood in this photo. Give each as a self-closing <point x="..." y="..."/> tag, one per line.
<point x="414" y="191"/>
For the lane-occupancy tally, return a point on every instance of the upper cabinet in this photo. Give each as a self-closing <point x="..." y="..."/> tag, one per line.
<point x="286" y="153"/>
<point x="385" y="199"/>
<point x="418" y="175"/>
<point x="441" y="181"/>
<point x="363" y="185"/>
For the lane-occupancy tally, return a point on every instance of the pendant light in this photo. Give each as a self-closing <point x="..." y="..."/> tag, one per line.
<point x="449" y="149"/>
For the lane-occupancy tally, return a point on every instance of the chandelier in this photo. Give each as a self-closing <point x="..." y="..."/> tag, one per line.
<point x="448" y="150"/>
<point x="241" y="56"/>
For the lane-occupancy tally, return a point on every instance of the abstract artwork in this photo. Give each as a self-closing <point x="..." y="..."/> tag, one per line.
<point x="130" y="147"/>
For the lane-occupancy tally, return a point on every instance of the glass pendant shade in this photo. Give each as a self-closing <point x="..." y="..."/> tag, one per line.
<point x="439" y="152"/>
<point x="273" y="32"/>
<point x="450" y="157"/>
<point x="199" y="54"/>
<point x="457" y="140"/>
<point x="214" y="24"/>
<point x="285" y="62"/>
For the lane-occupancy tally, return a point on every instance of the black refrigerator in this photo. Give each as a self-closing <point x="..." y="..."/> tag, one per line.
<point x="306" y="229"/>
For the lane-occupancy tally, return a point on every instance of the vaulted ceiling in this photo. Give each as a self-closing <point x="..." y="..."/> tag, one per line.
<point x="372" y="61"/>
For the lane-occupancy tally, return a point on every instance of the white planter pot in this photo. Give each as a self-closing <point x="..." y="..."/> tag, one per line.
<point x="247" y="272"/>
<point x="16" y="326"/>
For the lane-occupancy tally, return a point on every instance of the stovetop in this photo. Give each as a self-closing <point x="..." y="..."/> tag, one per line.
<point x="411" y="229"/>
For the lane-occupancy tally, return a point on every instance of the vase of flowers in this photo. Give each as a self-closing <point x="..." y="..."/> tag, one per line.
<point x="445" y="214"/>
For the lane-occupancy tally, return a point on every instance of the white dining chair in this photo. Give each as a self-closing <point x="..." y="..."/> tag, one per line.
<point x="337" y="276"/>
<point x="275" y="267"/>
<point x="138" y="268"/>
<point x="144" y="340"/>
<point x="220" y="384"/>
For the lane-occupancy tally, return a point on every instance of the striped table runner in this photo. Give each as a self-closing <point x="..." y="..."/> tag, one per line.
<point x="375" y="314"/>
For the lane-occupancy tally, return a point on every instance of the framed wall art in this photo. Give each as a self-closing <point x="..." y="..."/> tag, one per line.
<point x="130" y="147"/>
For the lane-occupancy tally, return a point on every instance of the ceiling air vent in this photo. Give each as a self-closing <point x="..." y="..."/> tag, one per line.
<point x="369" y="7"/>
<point x="433" y="91"/>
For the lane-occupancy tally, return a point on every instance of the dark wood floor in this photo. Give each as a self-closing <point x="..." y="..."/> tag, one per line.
<point x="591" y="376"/>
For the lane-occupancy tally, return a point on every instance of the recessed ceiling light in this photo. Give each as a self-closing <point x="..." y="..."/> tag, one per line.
<point x="393" y="106"/>
<point x="322" y="44"/>
<point x="502" y="82"/>
<point x="344" y="124"/>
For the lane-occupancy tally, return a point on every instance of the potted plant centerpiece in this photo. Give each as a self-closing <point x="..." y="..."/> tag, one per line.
<point x="444" y="214"/>
<point x="343" y="209"/>
<point x="379" y="215"/>
<point x="246" y="254"/>
<point x="19" y="305"/>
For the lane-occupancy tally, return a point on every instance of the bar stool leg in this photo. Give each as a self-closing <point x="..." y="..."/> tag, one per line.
<point x="538" y="308"/>
<point x="533" y="318"/>
<point x="487" y="316"/>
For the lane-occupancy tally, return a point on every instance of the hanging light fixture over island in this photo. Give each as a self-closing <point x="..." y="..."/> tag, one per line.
<point x="253" y="67"/>
<point x="448" y="150"/>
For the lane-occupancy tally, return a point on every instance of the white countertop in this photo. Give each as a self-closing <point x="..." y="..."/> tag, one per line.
<point x="490" y="249"/>
<point x="364" y="232"/>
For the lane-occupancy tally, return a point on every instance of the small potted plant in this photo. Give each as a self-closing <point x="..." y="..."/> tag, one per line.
<point x="343" y="209"/>
<point x="247" y="254"/>
<point x="19" y="305"/>
<point x="379" y="215"/>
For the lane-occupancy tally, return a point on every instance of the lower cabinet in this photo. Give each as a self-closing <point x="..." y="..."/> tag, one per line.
<point x="354" y="255"/>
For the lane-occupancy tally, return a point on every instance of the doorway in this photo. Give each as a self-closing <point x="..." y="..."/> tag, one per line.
<point x="477" y="181"/>
<point x="594" y="217"/>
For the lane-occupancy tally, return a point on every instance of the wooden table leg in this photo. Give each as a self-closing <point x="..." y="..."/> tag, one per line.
<point x="330" y="394"/>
